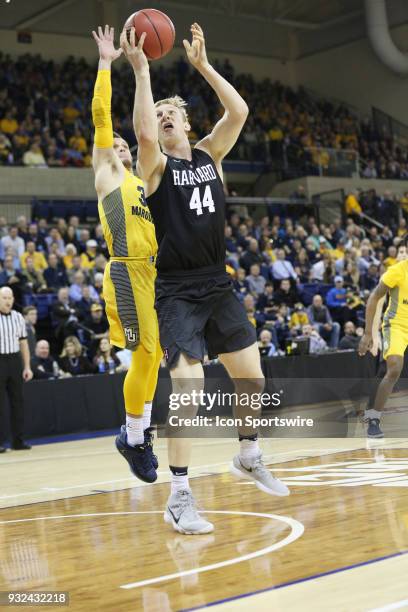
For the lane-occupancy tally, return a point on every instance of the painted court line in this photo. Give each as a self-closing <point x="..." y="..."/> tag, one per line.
<point x="297" y="530"/>
<point x="296" y="527"/>
<point x="50" y="489"/>
<point x="299" y="581"/>
<point x="397" y="605"/>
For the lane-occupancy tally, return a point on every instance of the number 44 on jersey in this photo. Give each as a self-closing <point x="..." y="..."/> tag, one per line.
<point x="207" y="202"/>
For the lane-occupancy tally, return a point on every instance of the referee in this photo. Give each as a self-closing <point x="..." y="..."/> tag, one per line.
<point x="14" y="366"/>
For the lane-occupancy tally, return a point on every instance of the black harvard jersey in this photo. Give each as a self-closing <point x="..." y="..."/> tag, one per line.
<point x="188" y="211"/>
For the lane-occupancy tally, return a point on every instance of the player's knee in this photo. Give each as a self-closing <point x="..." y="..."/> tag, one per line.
<point x="250" y="386"/>
<point x="394" y="369"/>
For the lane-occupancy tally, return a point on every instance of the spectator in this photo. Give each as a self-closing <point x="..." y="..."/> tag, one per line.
<point x="44" y="365"/>
<point x="38" y="260"/>
<point x="54" y="238"/>
<point x="65" y="315"/>
<point x="251" y="256"/>
<point x="322" y="269"/>
<point x="3" y="227"/>
<point x="255" y="317"/>
<point x="282" y="268"/>
<point x="286" y="294"/>
<point x="298" y="318"/>
<point x="12" y="278"/>
<point x="255" y="281"/>
<point x="34" y="157"/>
<point x="97" y="324"/>
<point x="33" y="279"/>
<point x="231" y="247"/>
<point x="9" y="124"/>
<point x="55" y="275"/>
<point x="352" y="206"/>
<point x="336" y="299"/>
<point x="105" y="359"/>
<point x="6" y="155"/>
<point x="72" y="359"/>
<point x="99" y="265"/>
<point x="35" y="237"/>
<point x="22" y="226"/>
<point x="265" y="344"/>
<point x="367" y="258"/>
<point x="352" y="336"/>
<point x="85" y="303"/>
<point x="317" y="344"/>
<point x="320" y="319"/>
<point x="98" y="284"/>
<point x="30" y="317"/>
<point x="91" y="253"/>
<point x="370" y="170"/>
<point x="75" y="291"/>
<point x="391" y="258"/>
<point x="13" y="240"/>
<point x="266" y="301"/>
<point x="240" y="283"/>
<point x="370" y="279"/>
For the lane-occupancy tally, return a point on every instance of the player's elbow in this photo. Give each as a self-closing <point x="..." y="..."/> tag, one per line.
<point x="240" y="112"/>
<point x="244" y="110"/>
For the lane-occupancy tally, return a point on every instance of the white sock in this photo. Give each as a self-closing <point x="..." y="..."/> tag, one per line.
<point x="372" y="414"/>
<point x="249" y="450"/>
<point x="179" y="483"/>
<point x="134" y="430"/>
<point x="147" y="415"/>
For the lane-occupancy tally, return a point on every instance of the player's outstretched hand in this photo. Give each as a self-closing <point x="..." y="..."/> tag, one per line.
<point x="134" y="52"/>
<point x="105" y="41"/>
<point x="365" y="345"/>
<point x="196" y="52"/>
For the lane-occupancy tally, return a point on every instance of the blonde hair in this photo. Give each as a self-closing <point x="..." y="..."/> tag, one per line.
<point x="74" y="340"/>
<point x="176" y="101"/>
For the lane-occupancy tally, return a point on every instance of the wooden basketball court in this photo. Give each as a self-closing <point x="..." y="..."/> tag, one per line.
<point x="73" y="519"/>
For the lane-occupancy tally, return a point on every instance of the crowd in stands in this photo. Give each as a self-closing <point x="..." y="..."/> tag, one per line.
<point x="45" y="117"/>
<point x="297" y="279"/>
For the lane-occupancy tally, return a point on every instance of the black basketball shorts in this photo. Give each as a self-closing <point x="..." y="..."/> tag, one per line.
<point x="197" y="313"/>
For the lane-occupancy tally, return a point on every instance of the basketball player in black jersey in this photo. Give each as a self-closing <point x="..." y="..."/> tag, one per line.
<point x="194" y="297"/>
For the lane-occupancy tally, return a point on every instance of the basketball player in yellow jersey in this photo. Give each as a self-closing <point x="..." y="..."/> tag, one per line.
<point x="395" y="335"/>
<point x="128" y="286"/>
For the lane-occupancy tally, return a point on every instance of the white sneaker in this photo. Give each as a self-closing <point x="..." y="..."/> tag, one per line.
<point x="181" y="512"/>
<point x="260" y="475"/>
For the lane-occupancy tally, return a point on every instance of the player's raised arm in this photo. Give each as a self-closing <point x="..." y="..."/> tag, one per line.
<point x="103" y="156"/>
<point x="149" y="155"/>
<point x="366" y="341"/>
<point x="225" y="133"/>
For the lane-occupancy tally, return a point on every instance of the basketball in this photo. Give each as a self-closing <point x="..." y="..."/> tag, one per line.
<point x="160" y="32"/>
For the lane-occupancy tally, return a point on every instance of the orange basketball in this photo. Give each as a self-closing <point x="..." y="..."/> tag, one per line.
<point x="160" y="32"/>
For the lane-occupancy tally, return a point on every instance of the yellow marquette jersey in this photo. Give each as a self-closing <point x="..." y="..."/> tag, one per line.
<point x="126" y="221"/>
<point x="396" y="278"/>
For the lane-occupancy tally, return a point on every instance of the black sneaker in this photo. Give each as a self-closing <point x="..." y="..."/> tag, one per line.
<point x="373" y="430"/>
<point x="148" y="440"/>
<point x="138" y="457"/>
<point x="2" y="449"/>
<point x="20" y="446"/>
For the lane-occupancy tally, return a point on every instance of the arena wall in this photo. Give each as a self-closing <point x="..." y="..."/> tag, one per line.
<point x="45" y="182"/>
<point x="316" y="184"/>
<point x="354" y="74"/>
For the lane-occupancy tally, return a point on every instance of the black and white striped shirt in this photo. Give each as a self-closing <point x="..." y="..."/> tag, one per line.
<point x="12" y="330"/>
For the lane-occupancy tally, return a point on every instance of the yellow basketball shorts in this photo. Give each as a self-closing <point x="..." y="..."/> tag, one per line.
<point x="128" y="291"/>
<point x="395" y="339"/>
